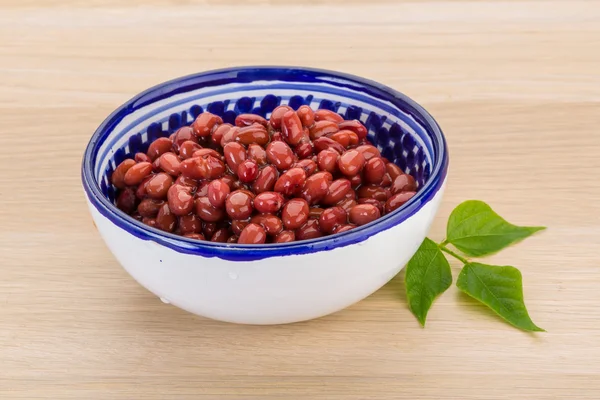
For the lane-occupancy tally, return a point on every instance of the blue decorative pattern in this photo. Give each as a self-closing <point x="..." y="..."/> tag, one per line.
<point x="403" y="131"/>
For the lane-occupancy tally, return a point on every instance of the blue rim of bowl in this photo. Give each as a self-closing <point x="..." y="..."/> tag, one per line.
<point x="240" y="252"/>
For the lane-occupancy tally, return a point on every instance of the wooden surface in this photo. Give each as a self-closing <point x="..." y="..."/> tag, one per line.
<point x="516" y="88"/>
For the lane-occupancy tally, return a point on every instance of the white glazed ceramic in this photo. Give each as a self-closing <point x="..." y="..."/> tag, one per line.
<point x="268" y="284"/>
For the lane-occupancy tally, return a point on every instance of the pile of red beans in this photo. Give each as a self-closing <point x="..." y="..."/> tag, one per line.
<point x="299" y="175"/>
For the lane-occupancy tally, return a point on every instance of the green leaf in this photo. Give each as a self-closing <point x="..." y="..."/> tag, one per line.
<point x="499" y="288"/>
<point x="476" y="230"/>
<point x="427" y="276"/>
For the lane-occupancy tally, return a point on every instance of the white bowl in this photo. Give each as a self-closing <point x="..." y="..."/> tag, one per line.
<point x="271" y="283"/>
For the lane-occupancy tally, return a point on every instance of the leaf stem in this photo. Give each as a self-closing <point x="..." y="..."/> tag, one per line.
<point x="453" y="254"/>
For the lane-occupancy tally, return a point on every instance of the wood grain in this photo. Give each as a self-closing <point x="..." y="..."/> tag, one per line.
<point x="516" y="87"/>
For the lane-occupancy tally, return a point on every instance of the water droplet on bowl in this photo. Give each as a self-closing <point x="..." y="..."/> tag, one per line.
<point x="165" y="300"/>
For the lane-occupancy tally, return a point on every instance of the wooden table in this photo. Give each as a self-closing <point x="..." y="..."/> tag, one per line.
<point x="515" y="86"/>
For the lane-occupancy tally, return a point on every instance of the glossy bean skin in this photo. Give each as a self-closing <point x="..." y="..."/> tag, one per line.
<point x="239" y="205"/>
<point x="316" y="187"/>
<point x="253" y="234"/>
<point x="343" y="228"/>
<point x="187" y="149"/>
<point x="249" y="119"/>
<point x="310" y="230"/>
<point x="220" y="236"/>
<point x="277" y="114"/>
<point x="202" y="168"/>
<point x="182" y="135"/>
<point x="170" y="163"/>
<point x="265" y="182"/>
<point x="373" y="192"/>
<point x="159" y="147"/>
<point x="368" y="151"/>
<point x="268" y="202"/>
<point x="285" y="237"/>
<point x="362" y="214"/>
<point x="158" y="185"/>
<point x="379" y="204"/>
<point x="237" y="226"/>
<point x="322" y="128"/>
<point x="196" y="236"/>
<point x="137" y="173"/>
<point x="149" y="207"/>
<point x="354" y="126"/>
<point x="347" y="204"/>
<point x="255" y="133"/>
<point x="397" y="200"/>
<point x="217" y="192"/>
<point x="327" y="160"/>
<point x="190" y="224"/>
<point x="337" y="191"/>
<point x="309" y="166"/>
<point x="234" y="155"/>
<point x="315" y="212"/>
<point x="393" y="170"/>
<point x="332" y="217"/>
<point x="403" y="183"/>
<point x="204" y="124"/>
<point x="247" y="171"/>
<point x="165" y="219"/>
<point x="209" y="229"/>
<point x="305" y="150"/>
<point x="290" y="182"/>
<point x="386" y="181"/>
<point x="118" y="176"/>
<point x="351" y="162"/>
<point x="345" y="138"/>
<point x="126" y="200"/>
<point x="294" y="213"/>
<point x="306" y="115"/>
<point x="270" y="222"/>
<point x="257" y="154"/>
<point x="142" y="157"/>
<point x="232" y="239"/>
<point x="328" y="115"/>
<point x="202" y="189"/>
<point x="280" y="155"/>
<point x="323" y="143"/>
<point x="291" y="128"/>
<point x="180" y="199"/>
<point x="228" y="180"/>
<point x="207" y="212"/>
<point x="204" y="153"/>
<point x="230" y="135"/>
<point x="217" y="135"/>
<point x="140" y="193"/>
<point x="374" y="171"/>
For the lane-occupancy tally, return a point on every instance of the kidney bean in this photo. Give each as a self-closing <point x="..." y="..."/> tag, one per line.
<point x="294" y="213"/>
<point x="309" y="166"/>
<point x="187" y="149"/>
<point x="205" y="123"/>
<point x="239" y="205"/>
<point x="126" y="200"/>
<point x="158" y="185"/>
<point x="276" y="137"/>
<point x="373" y="192"/>
<point x="354" y="126"/>
<point x="347" y="204"/>
<point x="220" y="236"/>
<point x="374" y="171"/>
<point x="232" y="239"/>
<point x="327" y="160"/>
<point x="140" y="192"/>
<point x="184" y="181"/>
<point x="397" y="200"/>
<point x="149" y="207"/>
<point x="207" y="212"/>
<point x="386" y="181"/>
<point x="323" y="143"/>
<point x="306" y="115"/>
<point x="217" y="191"/>
<point x="344" y="138"/>
<point x="257" y="154"/>
<point x="204" y="153"/>
<point x="228" y="180"/>
<point x="182" y="135"/>
<point x="137" y="173"/>
<point x="315" y="212"/>
<point x="249" y="119"/>
<point x="289" y="182"/>
<point x="247" y="171"/>
<point x="337" y="191"/>
<point x="291" y="129"/>
<point x="277" y="114"/>
<point x="362" y="214"/>
<point x="218" y="133"/>
<point x="268" y="202"/>
<point x="316" y="186"/>
<point x="170" y="163"/>
<point x="310" y="230"/>
<point x="343" y="228"/>
<point x="351" y="162"/>
<point x="379" y="204"/>
<point x="159" y="147"/>
<point x="368" y="151"/>
<point x="202" y="189"/>
<point x="237" y="226"/>
<point x="190" y="224"/>
<point x="280" y="155"/>
<point x="118" y="176"/>
<point x="304" y="150"/>
<point x="253" y="234"/>
<point x="197" y="236"/>
<point x="141" y="157"/>
<point x="181" y="201"/>
<point x="266" y="179"/>
<point x="285" y="237"/>
<point x="328" y="115"/>
<point x="403" y="183"/>
<point x="322" y="128"/>
<point x="393" y="170"/>
<point x="234" y="155"/>
<point x="270" y="222"/>
<point x="230" y="135"/>
<point x="202" y="168"/>
<point x="255" y="133"/>
<point x="332" y="217"/>
<point x="351" y="194"/>
<point x="165" y="219"/>
<point x="209" y="228"/>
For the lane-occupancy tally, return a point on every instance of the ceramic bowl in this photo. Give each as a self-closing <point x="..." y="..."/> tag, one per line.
<point x="270" y="283"/>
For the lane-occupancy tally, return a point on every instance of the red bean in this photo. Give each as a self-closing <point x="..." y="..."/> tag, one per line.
<point x="347" y="204"/>
<point x="149" y="207"/>
<point x="305" y="150"/>
<point x="197" y="236"/>
<point x="351" y="162"/>
<point x="306" y="115"/>
<point x="393" y="170"/>
<point x="239" y="205"/>
<point x="280" y="155"/>
<point x="232" y="239"/>
<point x="315" y="187"/>
<point x="159" y="147"/>
<point x="158" y="185"/>
<point x="343" y="228"/>
<point x="268" y="202"/>
<point x="362" y="214"/>
<point x="118" y="176"/>
<point x="294" y="213"/>
<point x="291" y="129"/>
<point x="379" y="204"/>
<point x="229" y="136"/>
<point x="386" y="181"/>
<point x="140" y="193"/>
<point x="170" y="163"/>
<point x="337" y="191"/>
<point x="165" y="219"/>
<point x="310" y="230"/>
<point x="253" y="234"/>
<point x="207" y="212"/>
<point x="247" y="171"/>
<point x="290" y="182"/>
<point x="202" y="168"/>
<point x="373" y="192"/>
<point x="328" y="115"/>
<point x="220" y="236"/>
<point x="277" y="114"/>
<point x="234" y="155"/>
<point x="141" y="157"/>
<point x="202" y="189"/>
<point x="257" y="154"/>
<point x="218" y="133"/>
<point x="270" y="222"/>
<point x="309" y="166"/>
<point x="126" y="200"/>
<point x="249" y="119"/>
<point x="332" y="217"/>
<point x="137" y="173"/>
<point x="285" y="237"/>
<point x="322" y="128"/>
<point x="345" y="138"/>
<point x="397" y="200"/>
<point x="209" y="228"/>
<point x="403" y="183"/>
<point x="354" y="126"/>
<point x="182" y="135"/>
<point x="276" y="137"/>
<point x="187" y="149"/>
<point x="190" y="224"/>
<point x="237" y="226"/>
<point x="205" y="123"/>
<point x="374" y="171"/>
<point x="266" y="179"/>
<point x="217" y="192"/>
<point x="315" y="212"/>
<point x="368" y="151"/>
<point x="204" y="153"/>
<point x="327" y="160"/>
<point x="228" y="180"/>
<point x="323" y="143"/>
<point x="181" y="201"/>
<point x="254" y="133"/>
